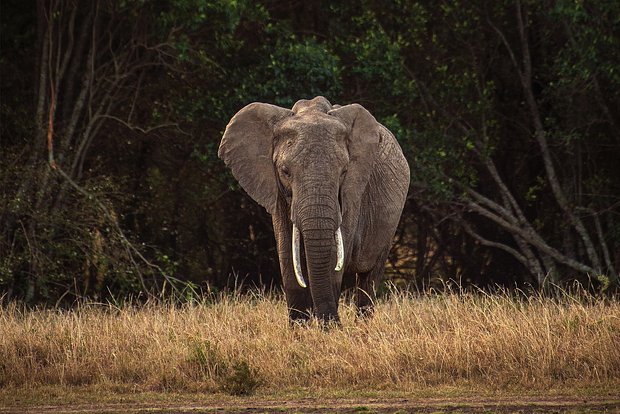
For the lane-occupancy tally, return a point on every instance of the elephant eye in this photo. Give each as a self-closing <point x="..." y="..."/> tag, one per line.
<point x="285" y="171"/>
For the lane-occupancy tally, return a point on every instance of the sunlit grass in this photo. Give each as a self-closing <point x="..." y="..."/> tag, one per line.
<point x="242" y="343"/>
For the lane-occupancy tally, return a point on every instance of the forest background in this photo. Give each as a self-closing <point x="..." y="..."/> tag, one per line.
<point x="112" y="112"/>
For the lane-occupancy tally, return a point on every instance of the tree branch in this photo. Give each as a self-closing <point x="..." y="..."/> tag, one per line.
<point x="489" y="243"/>
<point x="532" y="238"/>
<point x="140" y="129"/>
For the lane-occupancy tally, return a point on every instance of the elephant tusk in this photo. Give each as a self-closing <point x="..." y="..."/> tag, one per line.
<point x="296" y="259"/>
<point x="340" y="246"/>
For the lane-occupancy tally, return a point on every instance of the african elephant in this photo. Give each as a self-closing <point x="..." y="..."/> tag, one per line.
<point x="331" y="177"/>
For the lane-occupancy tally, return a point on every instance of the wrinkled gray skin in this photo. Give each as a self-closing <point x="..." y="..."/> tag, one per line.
<point x="322" y="166"/>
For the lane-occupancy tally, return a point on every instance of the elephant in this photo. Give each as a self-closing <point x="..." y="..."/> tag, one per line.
<point x="335" y="182"/>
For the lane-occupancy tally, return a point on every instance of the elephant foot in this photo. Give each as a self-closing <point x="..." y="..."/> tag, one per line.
<point x="329" y="321"/>
<point x="365" y="311"/>
<point x="298" y="318"/>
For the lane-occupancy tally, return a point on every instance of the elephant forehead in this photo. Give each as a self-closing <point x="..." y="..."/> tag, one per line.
<point x="316" y="104"/>
<point x="312" y="125"/>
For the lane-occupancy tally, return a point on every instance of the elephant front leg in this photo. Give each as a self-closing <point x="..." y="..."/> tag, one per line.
<point x="299" y="305"/>
<point x="298" y="299"/>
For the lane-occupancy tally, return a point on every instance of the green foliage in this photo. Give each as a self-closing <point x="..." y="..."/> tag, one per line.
<point x="241" y="380"/>
<point x="314" y="69"/>
<point x="234" y="378"/>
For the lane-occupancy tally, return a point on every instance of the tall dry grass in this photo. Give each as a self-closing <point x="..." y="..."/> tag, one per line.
<point x="239" y="343"/>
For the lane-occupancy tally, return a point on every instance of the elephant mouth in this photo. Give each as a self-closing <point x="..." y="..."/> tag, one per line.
<point x="297" y="256"/>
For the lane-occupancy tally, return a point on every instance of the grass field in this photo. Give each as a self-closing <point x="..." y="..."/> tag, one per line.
<point x="242" y="345"/>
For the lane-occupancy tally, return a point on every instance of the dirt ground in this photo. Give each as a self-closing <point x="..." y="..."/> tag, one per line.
<point x="557" y="404"/>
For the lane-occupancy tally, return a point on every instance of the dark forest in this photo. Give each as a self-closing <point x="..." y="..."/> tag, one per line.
<point x="112" y="112"/>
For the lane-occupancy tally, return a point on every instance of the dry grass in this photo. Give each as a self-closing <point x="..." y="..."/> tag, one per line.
<point x="238" y="344"/>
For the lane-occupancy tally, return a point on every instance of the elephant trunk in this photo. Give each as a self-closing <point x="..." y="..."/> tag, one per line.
<point x="317" y="218"/>
<point x="299" y="275"/>
<point x="319" y="248"/>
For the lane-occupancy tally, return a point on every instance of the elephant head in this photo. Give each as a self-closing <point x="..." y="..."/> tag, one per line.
<point x="315" y="160"/>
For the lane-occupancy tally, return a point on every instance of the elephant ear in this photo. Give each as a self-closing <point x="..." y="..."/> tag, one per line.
<point x="247" y="148"/>
<point x="363" y="143"/>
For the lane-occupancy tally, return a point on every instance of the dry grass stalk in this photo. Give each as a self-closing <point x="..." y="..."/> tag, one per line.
<point x="238" y="344"/>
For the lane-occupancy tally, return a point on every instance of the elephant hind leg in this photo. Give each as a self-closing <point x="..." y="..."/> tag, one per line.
<point x="365" y="295"/>
<point x="366" y="286"/>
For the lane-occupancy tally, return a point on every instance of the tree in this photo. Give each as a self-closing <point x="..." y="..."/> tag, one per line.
<point x="92" y="60"/>
<point x="489" y="94"/>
